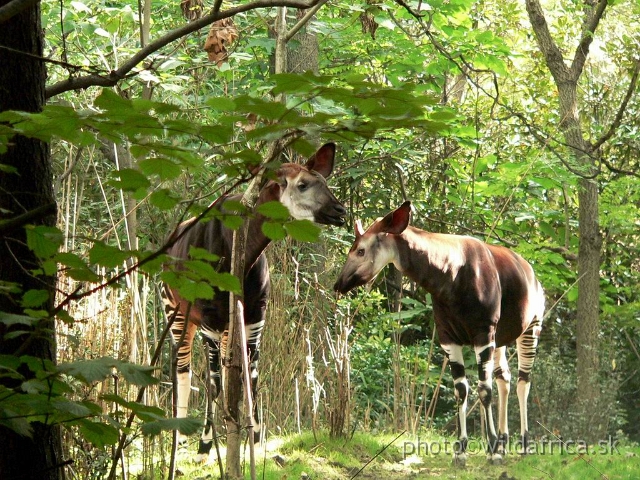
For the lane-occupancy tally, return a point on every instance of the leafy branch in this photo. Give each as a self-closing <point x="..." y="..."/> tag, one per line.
<point x="112" y="78"/>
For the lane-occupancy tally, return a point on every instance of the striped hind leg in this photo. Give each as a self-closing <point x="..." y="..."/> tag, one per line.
<point x="484" y="357"/>
<point x="461" y="390"/>
<point x="526" y="344"/>
<point x="184" y="342"/>
<point x="216" y="347"/>
<point x="254" y="335"/>
<point x="502" y="375"/>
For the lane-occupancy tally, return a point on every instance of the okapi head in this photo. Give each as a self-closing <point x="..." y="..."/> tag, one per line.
<point x="373" y="249"/>
<point x="304" y="191"/>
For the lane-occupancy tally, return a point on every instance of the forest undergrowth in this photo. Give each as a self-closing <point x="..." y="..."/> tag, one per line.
<point x="396" y="457"/>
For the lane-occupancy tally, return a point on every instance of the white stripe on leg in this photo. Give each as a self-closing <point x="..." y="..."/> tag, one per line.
<point x="184" y="388"/>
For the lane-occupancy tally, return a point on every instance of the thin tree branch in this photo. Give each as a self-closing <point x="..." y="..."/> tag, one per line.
<point x="113" y="77"/>
<point x="13" y="8"/>
<point x="172" y="239"/>
<point x="623" y="107"/>
<point x="8" y="226"/>
<point x="592" y="19"/>
<point x="548" y="47"/>
<point x="307" y="16"/>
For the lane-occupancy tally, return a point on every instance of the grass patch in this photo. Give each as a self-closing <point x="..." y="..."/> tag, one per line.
<point x="324" y="458"/>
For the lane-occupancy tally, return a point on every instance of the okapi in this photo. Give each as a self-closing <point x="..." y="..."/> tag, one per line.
<point x="483" y="295"/>
<point x="304" y="191"/>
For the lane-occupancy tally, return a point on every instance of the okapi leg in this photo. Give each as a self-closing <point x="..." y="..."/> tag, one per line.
<point x="212" y="388"/>
<point x="184" y="343"/>
<point x="213" y="340"/>
<point x="461" y="388"/>
<point x="526" y="344"/>
<point x="484" y="357"/>
<point x="254" y="335"/>
<point x="503" y="381"/>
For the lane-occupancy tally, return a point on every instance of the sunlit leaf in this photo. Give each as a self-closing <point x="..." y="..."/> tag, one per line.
<point x="35" y="298"/>
<point x="303" y="230"/>
<point x="129" y="179"/>
<point x="44" y="241"/>
<point x="274" y="230"/>
<point x="107" y="255"/>
<point x="274" y="210"/>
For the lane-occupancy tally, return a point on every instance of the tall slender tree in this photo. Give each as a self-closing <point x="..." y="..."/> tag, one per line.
<point x="586" y="155"/>
<point x="26" y="196"/>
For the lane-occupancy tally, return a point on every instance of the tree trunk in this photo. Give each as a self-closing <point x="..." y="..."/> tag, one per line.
<point x="302" y="51"/>
<point x="589" y="255"/>
<point x="232" y="386"/>
<point x="22" y="83"/>
<point x="594" y="421"/>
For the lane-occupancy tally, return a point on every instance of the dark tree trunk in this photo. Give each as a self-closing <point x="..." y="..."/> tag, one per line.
<point x="22" y="83"/>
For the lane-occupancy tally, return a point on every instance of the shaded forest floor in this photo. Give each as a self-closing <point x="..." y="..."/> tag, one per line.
<point x="369" y="457"/>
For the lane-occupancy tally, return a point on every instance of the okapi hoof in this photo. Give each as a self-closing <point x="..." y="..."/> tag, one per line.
<point x="460" y="460"/>
<point x="495" y="459"/>
<point x="204" y="450"/>
<point x="201" y="458"/>
<point x="503" y="442"/>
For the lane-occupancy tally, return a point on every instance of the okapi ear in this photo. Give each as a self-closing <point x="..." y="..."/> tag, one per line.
<point x="322" y="160"/>
<point x="398" y="220"/>
<point x="359" y="231"/>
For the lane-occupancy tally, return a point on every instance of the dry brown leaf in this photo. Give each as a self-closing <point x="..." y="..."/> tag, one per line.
<point x="221" y="35"/>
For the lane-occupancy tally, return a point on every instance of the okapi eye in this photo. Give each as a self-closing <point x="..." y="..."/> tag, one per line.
<point x="360" y="252"/>
<point x="302" y="187"/>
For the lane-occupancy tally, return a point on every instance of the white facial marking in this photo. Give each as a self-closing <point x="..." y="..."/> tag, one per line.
<point x="298" y="196"/>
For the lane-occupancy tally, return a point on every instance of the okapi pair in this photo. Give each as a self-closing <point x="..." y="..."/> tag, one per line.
<point x="483" y="295"/>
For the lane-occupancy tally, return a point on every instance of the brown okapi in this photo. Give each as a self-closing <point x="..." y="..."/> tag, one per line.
<point x="304" y="191"/>
<point x="483" y="295"/>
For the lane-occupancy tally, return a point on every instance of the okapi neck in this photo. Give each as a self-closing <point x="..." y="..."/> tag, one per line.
<point x="428" y="259"/>
<point x="257" y="241"/>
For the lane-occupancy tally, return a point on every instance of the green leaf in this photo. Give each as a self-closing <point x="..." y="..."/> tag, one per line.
<point x="99" y="434"/>
<point x="187" y="426"/>
<point x="89" y="371"/>
<point x="74" y="408"/>
<point x="146" y="413"/>
<point x="35" y="298"/>
<point x="107" y="256"/>
<point x="129" y="180"/>
<point x="202" y="254"/>
<point x="232" y="222"/>
<point x="274" y="210"/>
<point x="163" y="199"/>
<point x="303" y="230"/>
<point x="16" y="422"/>
<point x="163" y="167"/>
<point x="221" y="104"/>
<point x="227" y="282"/>
<point x="10" y="319"/>
<point x="274" y="230"/>
<point x="44" y="241"/>
<point x="191" y="291"/>
<point x="137" y="374"/>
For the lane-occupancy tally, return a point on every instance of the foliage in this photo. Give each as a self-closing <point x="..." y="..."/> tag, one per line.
<point x="449" y="108"/>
